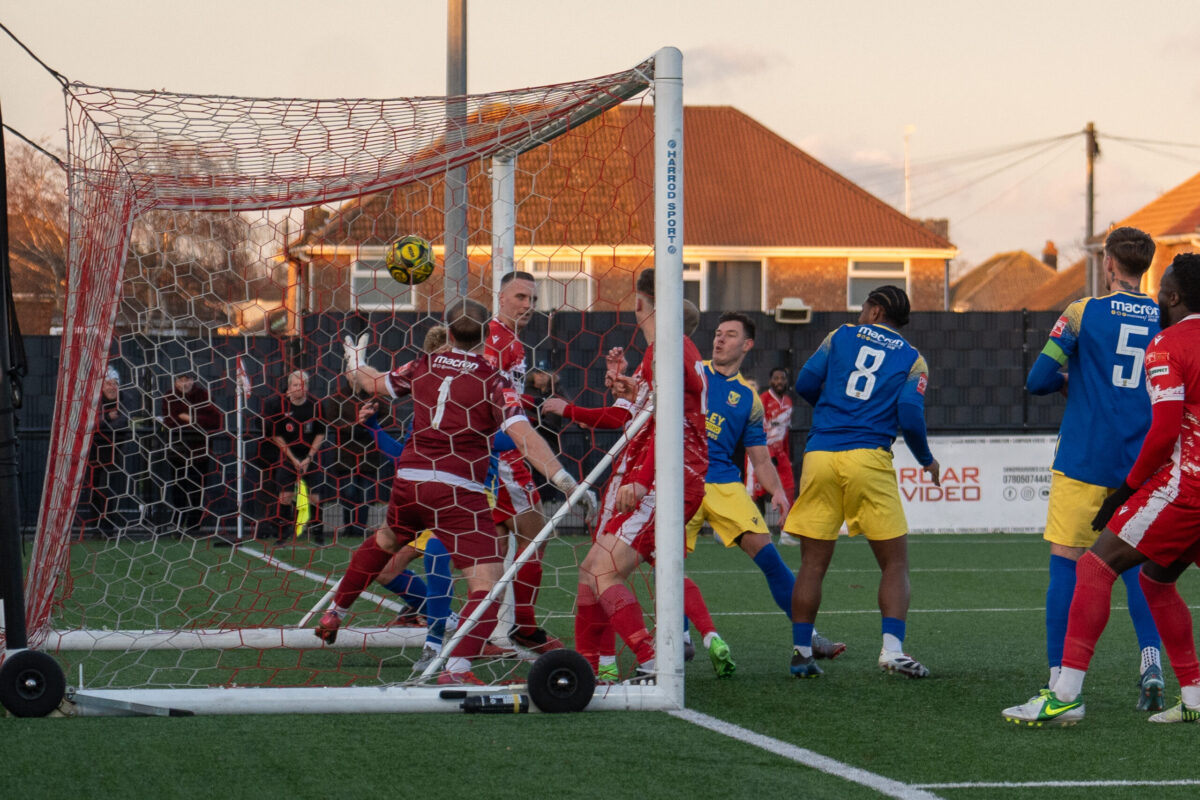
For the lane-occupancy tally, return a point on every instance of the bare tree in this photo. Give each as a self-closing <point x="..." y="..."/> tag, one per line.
<point x="37" y="225"/>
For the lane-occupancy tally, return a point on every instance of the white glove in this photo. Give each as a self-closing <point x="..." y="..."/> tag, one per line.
<point x="355" y="349"/>
<point x="566" y="484"/>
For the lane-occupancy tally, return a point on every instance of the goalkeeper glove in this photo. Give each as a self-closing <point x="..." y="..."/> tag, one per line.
<point x="354" y="351"/>
<point x="563" y="481"/>
<point x="1110" y="506"/>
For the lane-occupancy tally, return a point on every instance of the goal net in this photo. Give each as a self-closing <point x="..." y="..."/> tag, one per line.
<point x="223" y="250"/>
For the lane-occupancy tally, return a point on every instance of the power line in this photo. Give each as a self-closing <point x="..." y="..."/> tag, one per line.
<point x="975" y="181"/>
<point x="1133" y="140"/>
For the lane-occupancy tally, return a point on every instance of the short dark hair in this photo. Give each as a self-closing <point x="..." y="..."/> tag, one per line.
<point x="784" y="370"/>
<point x="691" y="317"/>
<point x="894" y="302"/>
<point x="1131" y="248"/>
<point x="517" y="275"/>
<point x="466" y="320"/>
<point x="737" y="316"/>
<point x="1186" y="267"/>
<point x="645" y="283"/>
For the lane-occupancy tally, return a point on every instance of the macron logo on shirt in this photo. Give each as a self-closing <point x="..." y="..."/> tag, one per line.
<point x="455" y="363"/>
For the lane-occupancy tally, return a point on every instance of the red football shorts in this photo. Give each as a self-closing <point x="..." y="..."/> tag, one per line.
<point x="460" y="518"/>
<point x="1162" y="523"/>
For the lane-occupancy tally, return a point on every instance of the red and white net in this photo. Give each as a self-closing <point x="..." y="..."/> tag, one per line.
<point x="216" y="234"/>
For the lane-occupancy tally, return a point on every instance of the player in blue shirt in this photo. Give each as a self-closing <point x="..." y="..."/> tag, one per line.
<point x="735" y="420"/>
<point x="1101" y="341"/>
<point x="865" y="383"/>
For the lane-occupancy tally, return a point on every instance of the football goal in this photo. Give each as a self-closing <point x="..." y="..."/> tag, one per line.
<point x="223" y="251"/>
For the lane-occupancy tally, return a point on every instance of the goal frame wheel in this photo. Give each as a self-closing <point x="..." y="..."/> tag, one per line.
<point x="32" y="683"/>
<point x="561" y="681"/>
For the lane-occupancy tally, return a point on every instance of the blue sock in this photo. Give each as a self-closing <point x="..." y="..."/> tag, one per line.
<point x="1058" y="606"/>
<point x="893" y="626"/>
<point x="410" y="588"/>
<point x="1139" y="611"/>
<point x="437" y="604"/>
<point x="802" y="634"/>
<point x="779" y="577"/>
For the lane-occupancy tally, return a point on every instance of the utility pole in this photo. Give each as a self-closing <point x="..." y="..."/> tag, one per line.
<point x="908" y="132"/>
<point x="455" y="256"/>
<point x="1093" y="150"/>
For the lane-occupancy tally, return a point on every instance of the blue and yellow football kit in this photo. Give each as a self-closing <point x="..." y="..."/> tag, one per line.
<point x="735" y="419"/>
<point x="1102" y="343"/>
<point x="866" y="384"/>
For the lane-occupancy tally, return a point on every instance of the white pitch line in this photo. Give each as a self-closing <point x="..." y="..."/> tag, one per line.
<point x="1053" y="784"/>
<point x="824" y="613"/>
<point x="885" y="786"/>
<point x="316" y="577"/>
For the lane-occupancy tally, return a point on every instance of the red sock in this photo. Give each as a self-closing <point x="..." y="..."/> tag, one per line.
<point x="368" y="561"/>
<point x="525" y="592"/>
<point x="695" y="609"/>
<point x="472" y="644"/>
<point x="1090" y="608"/>
<point x="1174" y="623"/>
<point x="591" y="623"/>
<point x="626" y="615"/>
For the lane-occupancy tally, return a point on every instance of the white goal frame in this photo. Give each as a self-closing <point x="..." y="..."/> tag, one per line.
<point x="667" y="693"/>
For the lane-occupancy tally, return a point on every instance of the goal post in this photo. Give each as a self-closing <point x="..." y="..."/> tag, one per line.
<point x="181" y="214"/>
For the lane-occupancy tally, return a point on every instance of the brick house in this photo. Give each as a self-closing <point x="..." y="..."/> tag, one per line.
<point x="763" y="221"/>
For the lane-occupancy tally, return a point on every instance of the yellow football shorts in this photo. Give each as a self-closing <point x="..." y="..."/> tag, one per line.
<point x="1073" y="504"/>
<point x="727" y="507"/>
<point x="857" y="487"/>
<point x="419" y="543"/>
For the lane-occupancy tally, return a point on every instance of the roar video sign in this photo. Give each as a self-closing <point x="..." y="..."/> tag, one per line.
<point x="989" y="484"/>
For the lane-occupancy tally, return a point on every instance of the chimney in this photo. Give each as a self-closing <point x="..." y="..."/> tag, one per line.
<point x="1050" y="255"/>
<point x="941" y="226"/>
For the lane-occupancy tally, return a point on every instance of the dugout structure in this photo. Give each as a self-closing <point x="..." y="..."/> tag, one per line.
<point x="188" y="214"/>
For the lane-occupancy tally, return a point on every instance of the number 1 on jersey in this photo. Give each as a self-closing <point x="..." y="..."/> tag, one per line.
<point x="440" y="409"/>
<point x="861" y="382"/>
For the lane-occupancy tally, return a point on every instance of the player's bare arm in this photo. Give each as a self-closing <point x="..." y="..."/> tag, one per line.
<point x="534" y="448"/>
<point x="934" y="471"/>
<point x="768" y="476"/>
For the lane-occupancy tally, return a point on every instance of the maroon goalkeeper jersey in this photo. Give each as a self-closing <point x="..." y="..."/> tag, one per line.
<point x="459" y="401"/>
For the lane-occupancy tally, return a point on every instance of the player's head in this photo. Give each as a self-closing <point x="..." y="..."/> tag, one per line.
<point x="518" y="296"/>
<point x="184" y="381"/>
<point x="1179" y="290"/>
<point x="779" y="381"/>
<point x="733" y="339"/>
<point x="540" y="381"/>
<point x="1128" y="252"/>
<point x="691" y="317"/>
<point x="887" y="305"/>
<point x="435" y="340"/>
<point x="643" y="308"/>
<point x="465" y="321"/>
<point x="297" y="385"/>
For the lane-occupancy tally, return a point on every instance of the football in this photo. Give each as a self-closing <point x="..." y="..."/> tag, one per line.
<point x="410" y="260"/>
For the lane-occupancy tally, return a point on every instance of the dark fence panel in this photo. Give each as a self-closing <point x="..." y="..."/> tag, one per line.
<point x="978" y="362"/>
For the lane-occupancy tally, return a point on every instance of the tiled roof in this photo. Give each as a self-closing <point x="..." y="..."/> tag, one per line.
<point x="1000" y="283"/>
<point x="1057" y="293"/>
<point x="1176" y="211"/>
<point x="744" y="186"/>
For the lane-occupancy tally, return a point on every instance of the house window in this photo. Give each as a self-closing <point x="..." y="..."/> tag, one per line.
<point x="373" y="289"/>
<point x="561" y="285"/>
<point x="866" y="276"/>
<point x="734" y="285"/>
<point x="693" y="275"/>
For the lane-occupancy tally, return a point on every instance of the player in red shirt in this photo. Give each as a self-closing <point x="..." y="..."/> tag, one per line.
<point x="1152" y="520"/>
<point x="517" y="498"/>
<point x="777" y="420"/>
<point x="459" y="402"/>
<point x="625" y="531"/>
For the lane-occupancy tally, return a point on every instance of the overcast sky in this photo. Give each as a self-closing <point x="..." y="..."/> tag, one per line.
<point x="842" y="80"/>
